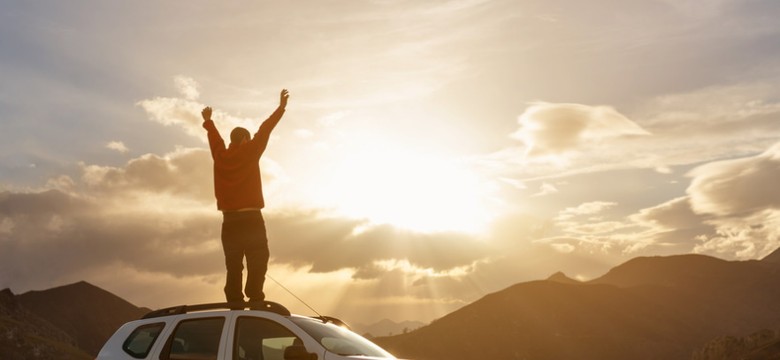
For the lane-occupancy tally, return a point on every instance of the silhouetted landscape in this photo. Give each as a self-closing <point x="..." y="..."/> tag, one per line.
<point x="66" y="322"/>
<point x="455" y="179"/>
<point x="675" y="307"/>
<point x="386" y="327"/>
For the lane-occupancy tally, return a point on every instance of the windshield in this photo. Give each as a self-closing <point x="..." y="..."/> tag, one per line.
<point x="339" y="340"/>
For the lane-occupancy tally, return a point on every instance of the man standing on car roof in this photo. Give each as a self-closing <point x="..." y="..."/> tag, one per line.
<point x="239" y="193"/>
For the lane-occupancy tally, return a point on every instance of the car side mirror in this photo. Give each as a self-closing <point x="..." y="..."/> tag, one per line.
<point x="298" y="352"/>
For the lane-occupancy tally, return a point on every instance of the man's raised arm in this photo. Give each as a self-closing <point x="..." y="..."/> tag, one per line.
<point x="215" y="139"/>
<point x="264" y="132"/>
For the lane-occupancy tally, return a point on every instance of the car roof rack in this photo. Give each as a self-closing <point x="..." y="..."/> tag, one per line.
<point x="269" y="306"/>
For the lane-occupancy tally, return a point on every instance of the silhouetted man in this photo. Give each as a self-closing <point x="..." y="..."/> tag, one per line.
<point x="239" y="193"/>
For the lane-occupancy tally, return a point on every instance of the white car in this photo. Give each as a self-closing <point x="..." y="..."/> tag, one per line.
<point x="252" y="331"/>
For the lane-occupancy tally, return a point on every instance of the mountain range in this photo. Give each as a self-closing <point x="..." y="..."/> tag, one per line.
<point x="66" y="322"/>
<point x="673" y="307"/>
<point x="386" y="327"/>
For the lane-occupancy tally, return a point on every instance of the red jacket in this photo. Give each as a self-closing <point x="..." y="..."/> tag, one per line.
<point x="237" y="183"/>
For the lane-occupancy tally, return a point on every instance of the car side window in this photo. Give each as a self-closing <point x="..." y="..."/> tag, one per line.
<point x="194" y="339"/>
<point x="141" y="340"/>
<point x="261" y="339"/>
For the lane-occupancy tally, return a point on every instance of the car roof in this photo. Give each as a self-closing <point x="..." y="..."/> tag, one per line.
<point x="269" y="306"/>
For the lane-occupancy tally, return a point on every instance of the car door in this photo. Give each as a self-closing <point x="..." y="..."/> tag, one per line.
<point x="196" y="338"/>
<point x="261" y="338"/>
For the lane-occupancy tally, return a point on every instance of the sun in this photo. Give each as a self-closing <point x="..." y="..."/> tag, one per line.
<point x="414" y="191"/>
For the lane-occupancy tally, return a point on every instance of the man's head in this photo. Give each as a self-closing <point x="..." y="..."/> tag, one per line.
<point x="239" y="135"/>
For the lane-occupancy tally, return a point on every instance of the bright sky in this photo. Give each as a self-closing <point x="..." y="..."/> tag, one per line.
<point x="432" y="151"/>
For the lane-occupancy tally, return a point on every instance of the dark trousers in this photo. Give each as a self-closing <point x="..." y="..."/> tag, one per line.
<point x="243" y="235"/>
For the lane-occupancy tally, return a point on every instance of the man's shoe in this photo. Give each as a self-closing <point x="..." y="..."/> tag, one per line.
<point x="237" y="305"/>
<point x="257" y="304"/>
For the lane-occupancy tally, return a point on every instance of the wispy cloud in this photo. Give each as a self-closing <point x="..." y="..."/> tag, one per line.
<point x="589" y="208"/>
<point x="188" y="87"/>
<point x="629" y="86"/>
<point x="186" y="112"/>
<point x="561" y="140"/>
<point x="739" y="186"/>
<point x="117" y="146"/>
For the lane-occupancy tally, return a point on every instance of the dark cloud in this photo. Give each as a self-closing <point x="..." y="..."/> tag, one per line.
<point x="329" y="244"/>
<point x="185" y="173"/>
<point x="44" y="203"/>
<point x="53" y="234"/>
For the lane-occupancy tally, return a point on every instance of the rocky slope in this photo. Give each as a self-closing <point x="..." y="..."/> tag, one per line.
<point x="25" y="336"/>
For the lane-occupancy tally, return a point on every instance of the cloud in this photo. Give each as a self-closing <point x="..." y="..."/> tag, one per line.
<point x="564" y="247"/>
<point x="546" y="189"/>
<point x="333" y="244"/>
<point x="186" y="112"/>
<point x="163" y="203"/>
<point x="730" y="210"/>
<point x="602" y="227"/>
<point x="332" y="119"/>
<point x="746" y="237"/>
<point x="740" y="199"/>
<point x="188" y="87"/>
<point x="674" y="214"/>
<point x="184" y="173"/>
<point x="118" y="146"/>
<point x="180" y="112"/>
<point x="153" y="220"/>
<point x="174" y="111"/>
<point x="589" y="208"/>
<point x="673" y="225"/>
<point x="717" y="113"/>
<point x="587" y="228"/>
<point x="738" y="186"/>
<point x="70" y="233"/>
<point x="156" y="215"/>
<point x="548" y="129"/>
<point x="6" y="226"/>
<point x="732" y="120"/>
<point x="304" y="133"/>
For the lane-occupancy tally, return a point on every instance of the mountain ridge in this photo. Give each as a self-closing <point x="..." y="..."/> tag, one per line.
<point x="27" y="336"/>
<point x="670" y="307"/>
<point x="89" y="314"/>
<point x="562" y="278"/>
<point x="645" y="308"/>
<point x="386" y="327"/>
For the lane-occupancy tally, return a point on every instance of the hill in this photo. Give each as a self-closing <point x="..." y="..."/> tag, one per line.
<point x="761" y="345"/>
<point x="26" y="336"/>
<point x="772" y="259"/>
<point x="386" y="327"/>
<point x="562" y="278"/>
<point x="646" y="308"/>
<point x="674" y="307"/>
<point x="86" y="313"/>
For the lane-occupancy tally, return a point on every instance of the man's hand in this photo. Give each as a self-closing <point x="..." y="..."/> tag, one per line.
<point x="206" y="113"/>
<point x="283" y="98"/>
